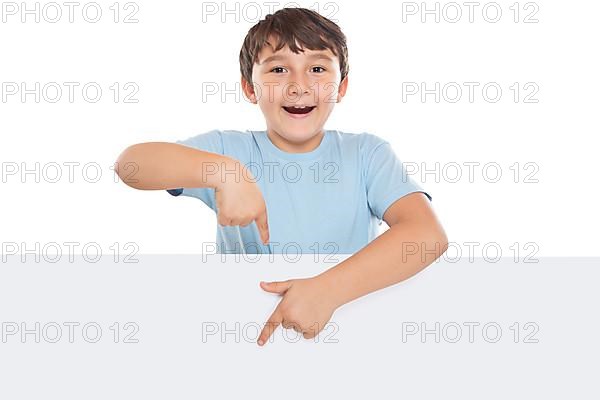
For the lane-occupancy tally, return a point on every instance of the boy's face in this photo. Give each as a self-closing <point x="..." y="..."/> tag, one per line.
<point x="283" y="80"/>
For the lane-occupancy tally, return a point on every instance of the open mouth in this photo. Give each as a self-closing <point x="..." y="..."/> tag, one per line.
<point x="299" y="110"/>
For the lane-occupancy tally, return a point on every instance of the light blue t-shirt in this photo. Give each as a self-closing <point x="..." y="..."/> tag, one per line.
<point x="326" y="201"/>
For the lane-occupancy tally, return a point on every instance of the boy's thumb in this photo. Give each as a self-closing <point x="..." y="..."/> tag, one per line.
<point x="275" y="287"/>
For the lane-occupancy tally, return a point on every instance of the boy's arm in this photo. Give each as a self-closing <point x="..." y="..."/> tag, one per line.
<point x="415" y="240"/>
<point x="162" y="165"/>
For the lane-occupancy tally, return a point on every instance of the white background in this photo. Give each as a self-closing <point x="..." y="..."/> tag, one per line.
<point x="170" y="53"/>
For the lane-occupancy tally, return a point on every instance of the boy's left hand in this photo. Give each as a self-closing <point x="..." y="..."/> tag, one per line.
<point x="306" y="307"/>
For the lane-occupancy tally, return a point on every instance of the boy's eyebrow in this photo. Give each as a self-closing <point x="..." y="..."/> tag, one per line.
<point x="314" y="56"/>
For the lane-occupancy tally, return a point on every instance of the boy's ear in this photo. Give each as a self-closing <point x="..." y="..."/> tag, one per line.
<point x="342" y="89"/>
<point x="248" y="91"/>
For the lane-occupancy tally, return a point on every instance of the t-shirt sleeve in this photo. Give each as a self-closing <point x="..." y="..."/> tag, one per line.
<point x="387" y="179"/>
<point x="211" y="141"/>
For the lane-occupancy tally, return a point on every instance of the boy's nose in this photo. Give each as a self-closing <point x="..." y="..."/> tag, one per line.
<point x="298" y="84"/>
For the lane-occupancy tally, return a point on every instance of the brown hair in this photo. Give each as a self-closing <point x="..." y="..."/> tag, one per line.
<point x="291" y="25"/>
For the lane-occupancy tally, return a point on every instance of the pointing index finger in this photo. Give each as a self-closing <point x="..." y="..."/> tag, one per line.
<point x="270" y="327"/>
<point x="263" y="226"/>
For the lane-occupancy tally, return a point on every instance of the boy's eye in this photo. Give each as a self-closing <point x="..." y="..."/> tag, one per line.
<point x="281" y="69"/>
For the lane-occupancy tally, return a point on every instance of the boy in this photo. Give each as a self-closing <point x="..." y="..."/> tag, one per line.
<point x="296" y="184"/>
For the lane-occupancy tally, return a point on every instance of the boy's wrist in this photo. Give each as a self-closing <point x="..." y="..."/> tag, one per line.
<point x="215" y="171"/>
<point x="333" y="287"/>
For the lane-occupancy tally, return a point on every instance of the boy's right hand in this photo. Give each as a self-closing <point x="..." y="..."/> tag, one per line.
<point x="240" y="201"/>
